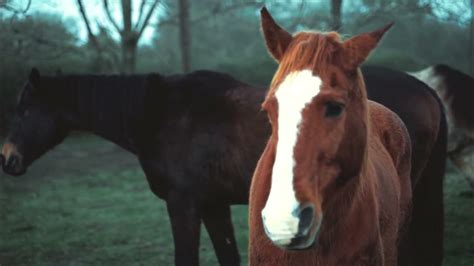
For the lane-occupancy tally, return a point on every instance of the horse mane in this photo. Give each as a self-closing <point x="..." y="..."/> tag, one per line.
<point x="314" y="50"/>
<point x="105" y="103"/>
<point x="127" y="106"/>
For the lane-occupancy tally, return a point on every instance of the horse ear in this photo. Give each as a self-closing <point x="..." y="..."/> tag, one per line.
<point x="359" y="47"/>
<point x="276" y="38"/>
<point x="34" y="76"/>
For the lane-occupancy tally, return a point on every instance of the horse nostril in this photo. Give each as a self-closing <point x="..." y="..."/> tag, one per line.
<point x="306" y="214"/>
<point x="11" y="162"/>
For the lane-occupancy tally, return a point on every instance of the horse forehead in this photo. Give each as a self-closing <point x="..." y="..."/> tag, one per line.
<point x="298" y="87"/>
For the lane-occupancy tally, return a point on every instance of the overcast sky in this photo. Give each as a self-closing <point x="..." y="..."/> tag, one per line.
<point x="69" y="12"/>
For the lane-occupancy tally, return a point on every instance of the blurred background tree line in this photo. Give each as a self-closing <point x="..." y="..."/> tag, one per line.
<point x="183" y="35"/>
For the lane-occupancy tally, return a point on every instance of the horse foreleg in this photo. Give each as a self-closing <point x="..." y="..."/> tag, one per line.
<point x="218" y="222"/>
<point x="186" y="223"/>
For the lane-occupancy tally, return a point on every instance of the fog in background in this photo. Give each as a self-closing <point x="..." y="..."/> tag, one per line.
<point x="175" y="36"/>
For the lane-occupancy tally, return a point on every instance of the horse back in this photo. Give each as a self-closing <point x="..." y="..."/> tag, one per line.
<point x="456" y="90"/>
<point x="417" y="106"/>
<point x="207" y="132"/>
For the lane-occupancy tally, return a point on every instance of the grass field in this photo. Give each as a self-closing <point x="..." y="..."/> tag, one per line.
<point x="88" y="203"/>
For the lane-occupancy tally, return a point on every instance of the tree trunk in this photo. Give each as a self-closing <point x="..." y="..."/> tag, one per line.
<point x="97" y="64"/>
<point x="336" y="7"/>
<point x="129" y="40"/>
<point x="129" y="51"/>
<point x="471" y="52"/>
<point x="185" y="38"/>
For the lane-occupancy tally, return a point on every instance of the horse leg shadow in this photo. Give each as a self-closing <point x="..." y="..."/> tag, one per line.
<point x="423" y="242"/>
<point x="186" y="225"/>
<point x="218" y="222"/>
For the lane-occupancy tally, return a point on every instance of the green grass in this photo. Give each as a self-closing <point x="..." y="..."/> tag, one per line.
<point x="459" y="224"/>
<point x="88" y="203"/>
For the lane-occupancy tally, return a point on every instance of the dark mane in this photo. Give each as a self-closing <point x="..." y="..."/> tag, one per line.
<point x="134" y="106"/>
<point x="105" y="103"/>
<point x="459" y="94"/>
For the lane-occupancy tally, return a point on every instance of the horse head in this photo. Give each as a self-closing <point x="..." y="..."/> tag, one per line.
<point x="317" y="105"/>
<point x="36" y="127"/>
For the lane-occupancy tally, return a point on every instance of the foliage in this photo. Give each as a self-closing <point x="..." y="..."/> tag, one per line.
<point x="225" y="36"/>
<point x="42" y="41"/>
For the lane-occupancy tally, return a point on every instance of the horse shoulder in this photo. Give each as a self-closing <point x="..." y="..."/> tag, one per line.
<point x="392" y="132"/>
<point x="393" y="135"/>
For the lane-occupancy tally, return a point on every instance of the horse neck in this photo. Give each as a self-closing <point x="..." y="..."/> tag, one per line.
<point x="355" y="195"/>
<point x="111" y="107"/>
<point x="353" y="216"/>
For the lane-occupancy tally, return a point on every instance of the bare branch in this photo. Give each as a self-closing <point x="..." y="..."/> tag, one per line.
<point x="109" y="16"/>
<point x="147" y="18"/>
<point x="140" y="14"/>
<point x="27" y="7"/>
<point x="90" y="34"/>
<point x="15" y="10"/>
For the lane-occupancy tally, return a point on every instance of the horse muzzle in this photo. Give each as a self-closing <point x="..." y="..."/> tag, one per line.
<point x="298" y="232"/>
<point x="14" y="166"/>
<point x="12" y="161"/>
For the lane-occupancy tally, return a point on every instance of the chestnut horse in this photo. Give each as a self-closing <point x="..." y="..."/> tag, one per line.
<point x="333" y="185"/>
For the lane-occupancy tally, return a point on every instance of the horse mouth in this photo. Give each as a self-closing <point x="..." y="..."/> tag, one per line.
<point x="12" y="166"/>
<point x="303" y="240"/>
<point x="14" y="172"/>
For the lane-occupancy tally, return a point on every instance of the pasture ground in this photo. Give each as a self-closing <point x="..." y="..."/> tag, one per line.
<point x="87" y="203"/>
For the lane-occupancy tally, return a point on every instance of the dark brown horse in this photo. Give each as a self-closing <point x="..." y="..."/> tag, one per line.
<point x="334" y="180"/>
<point x="197" y="137"/>
<point x="456" y="90"/>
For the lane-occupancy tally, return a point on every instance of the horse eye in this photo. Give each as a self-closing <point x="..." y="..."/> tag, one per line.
<point x="333" y="109"/>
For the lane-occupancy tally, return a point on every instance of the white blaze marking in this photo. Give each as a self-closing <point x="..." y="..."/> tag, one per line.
<point x="293" y="95"/>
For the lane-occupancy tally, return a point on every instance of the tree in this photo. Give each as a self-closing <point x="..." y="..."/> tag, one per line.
<point x="10" y="7"/>
<point x="183" y="19"/>
<point x="34" y="40"/>
<point x="336" y="23"/>
<point x="185" y="38"/>
<point x="129" y="33"/>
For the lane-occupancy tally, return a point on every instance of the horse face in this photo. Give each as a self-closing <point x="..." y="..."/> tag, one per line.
<point x="317" y="108"/>
<point x="308" y="121"/>
<point x="35" y="129"/>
